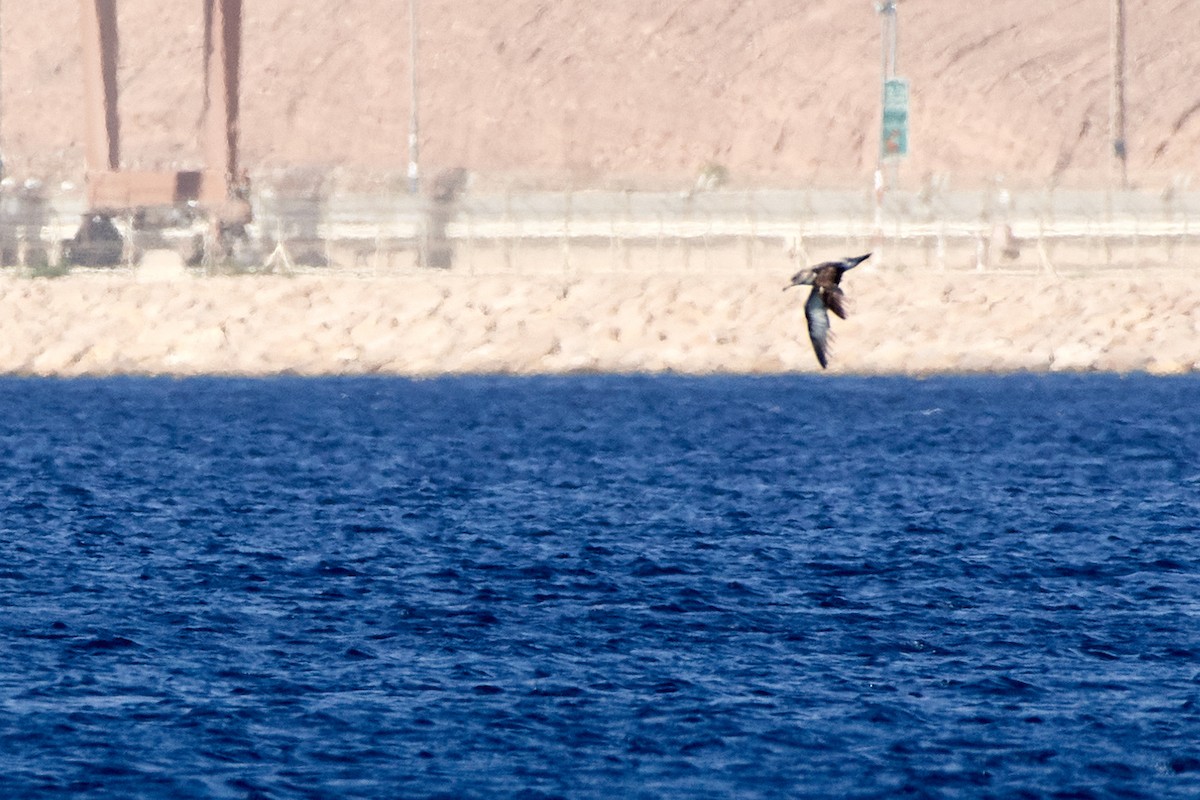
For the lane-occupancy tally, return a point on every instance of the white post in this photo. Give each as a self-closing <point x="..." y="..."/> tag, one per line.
<point x="1116" y="110"/>
<point x="2" y="170"/>
<point x="414" y="183"/>
<point x="887" y="12"/>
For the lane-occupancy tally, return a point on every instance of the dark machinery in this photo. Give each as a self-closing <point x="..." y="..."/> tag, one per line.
<point x="218" y="192"/>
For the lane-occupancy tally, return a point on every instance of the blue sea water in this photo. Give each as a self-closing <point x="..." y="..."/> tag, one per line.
<point x="600" y="587"/>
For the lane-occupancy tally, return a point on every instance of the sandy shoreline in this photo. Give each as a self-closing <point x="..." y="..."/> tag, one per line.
<point x="446" y="323"/>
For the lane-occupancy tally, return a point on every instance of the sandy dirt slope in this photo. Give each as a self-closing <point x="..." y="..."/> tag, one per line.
<point x="779" y="92"/>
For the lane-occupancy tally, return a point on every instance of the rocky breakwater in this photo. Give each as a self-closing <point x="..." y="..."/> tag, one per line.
<point x="442" y="323"/>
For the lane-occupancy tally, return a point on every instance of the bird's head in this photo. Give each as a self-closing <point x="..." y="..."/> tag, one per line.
<point x="804" y="277"/>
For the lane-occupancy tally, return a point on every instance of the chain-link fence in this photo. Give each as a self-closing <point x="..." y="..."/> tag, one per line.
<point x="529" y="231"/>
<point x="315" y="226"/>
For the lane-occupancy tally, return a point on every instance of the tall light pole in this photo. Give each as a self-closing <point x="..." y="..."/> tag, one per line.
<point x="414" y="159"/>
<point x="1116" y="106"/>
<point x="2" y="175"/>
<point x="893" y="142"/>
<point x="893" y="116"/>
<point x="887" y="10"/>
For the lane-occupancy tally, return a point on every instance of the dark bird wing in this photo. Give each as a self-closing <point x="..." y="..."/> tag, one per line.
<point x="851" y="263"/>
<point x="832" y="297"/>
<point x="831" y="272"/>
<point x="818" y="325"/>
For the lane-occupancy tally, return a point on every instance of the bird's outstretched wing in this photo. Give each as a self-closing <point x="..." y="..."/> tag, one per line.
<point x="818" y="325"/>
<point x="832" y="296"/>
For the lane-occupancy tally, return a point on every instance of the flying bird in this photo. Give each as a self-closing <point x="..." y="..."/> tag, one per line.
<point x="825" y="296"/>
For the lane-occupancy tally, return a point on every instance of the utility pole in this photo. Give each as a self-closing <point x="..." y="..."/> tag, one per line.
<point x="893" y="117"/>
<point x="893" y="135"/>
<point x="414" y="159"/>
<point x="887" y="14"/>
<point x="2" y="170"/>
<point x="887" y="10"/>
<point x="1116" y="107"/>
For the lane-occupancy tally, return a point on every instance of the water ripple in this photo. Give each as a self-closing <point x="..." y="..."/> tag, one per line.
<point x="597" y="586"/>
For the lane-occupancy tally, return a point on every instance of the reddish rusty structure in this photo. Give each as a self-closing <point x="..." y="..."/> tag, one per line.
<point x="220" y="189"/>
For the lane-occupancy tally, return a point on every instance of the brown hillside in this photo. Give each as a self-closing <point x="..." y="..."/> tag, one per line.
<point x="779" y="92"/>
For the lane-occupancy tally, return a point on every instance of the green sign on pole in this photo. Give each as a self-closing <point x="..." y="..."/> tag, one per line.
<point x="894" y="136"/>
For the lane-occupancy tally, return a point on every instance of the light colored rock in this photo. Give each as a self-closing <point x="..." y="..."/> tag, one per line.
<point x="1168" y="367"/>
<point x="1075" y="356"/>
<point x="58" y="358"/>
<point x="161" y="265"/>
<point x="432" y="324"/>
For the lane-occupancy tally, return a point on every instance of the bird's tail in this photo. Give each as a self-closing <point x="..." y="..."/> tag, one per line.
<point x="854" y="261"/>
